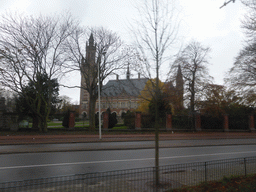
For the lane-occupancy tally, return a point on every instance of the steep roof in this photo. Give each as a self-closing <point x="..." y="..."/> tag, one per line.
<point x="131" y="87"/>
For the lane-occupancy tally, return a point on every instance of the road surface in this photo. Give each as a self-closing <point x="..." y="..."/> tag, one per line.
<point x="22" y="166"/>
<point x="92" y="146"/>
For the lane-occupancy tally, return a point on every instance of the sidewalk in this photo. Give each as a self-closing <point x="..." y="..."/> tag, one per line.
<point x="39" y="143"/>
<point x="39" y="139"/>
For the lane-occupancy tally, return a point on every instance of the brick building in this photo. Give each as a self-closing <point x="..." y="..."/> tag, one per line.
<point x="121" y="95"/>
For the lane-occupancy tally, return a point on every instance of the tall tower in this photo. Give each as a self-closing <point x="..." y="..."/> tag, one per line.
<point x="128" y="72"/>
<point x="87" y="65"/>
<point x="180" y="87"/>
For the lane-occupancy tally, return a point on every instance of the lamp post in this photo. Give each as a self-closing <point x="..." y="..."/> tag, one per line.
<point x="99" y="100"/>
<point x="225" y="3"/>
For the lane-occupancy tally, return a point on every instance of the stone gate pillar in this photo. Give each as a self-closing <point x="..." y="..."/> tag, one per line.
<point x="71" y="122"/>
<point x="198" y="122"/>
<point x="251" y="123"/>
<point x="226" y="126"/>
<point x="138" y="120"/>
<point x="105" y="121"/>
<point x="168" y="122"/>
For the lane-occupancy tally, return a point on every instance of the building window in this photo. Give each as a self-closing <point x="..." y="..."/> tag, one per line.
<point x="129" y="104"/>
<point x="134" y="105"/>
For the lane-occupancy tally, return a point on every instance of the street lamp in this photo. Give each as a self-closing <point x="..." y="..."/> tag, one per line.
<point x="104" y="52"/>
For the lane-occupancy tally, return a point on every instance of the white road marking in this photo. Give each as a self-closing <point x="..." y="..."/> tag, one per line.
<point x="122" y="160"/>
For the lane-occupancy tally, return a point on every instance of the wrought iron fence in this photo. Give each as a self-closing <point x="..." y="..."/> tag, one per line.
<point x="239" y="122"/>
<point x="182" y="122"/>
<point x="139" y="180"/>
<point x="211" y="122"/>
<point x="254" y="117"/>
<point x="148" y="121"/>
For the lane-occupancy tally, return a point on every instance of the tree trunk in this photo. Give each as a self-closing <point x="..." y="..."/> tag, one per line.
<point x="39" y="125"/>
<point x="192" y="101"/>
<point x="44" y="124"/>
<point x="35" y="123"/>
<point x="92" y="113"/>
<point x="157" y="127"/>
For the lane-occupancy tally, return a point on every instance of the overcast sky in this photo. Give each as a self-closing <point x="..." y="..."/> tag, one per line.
<point x="202" y="20"/>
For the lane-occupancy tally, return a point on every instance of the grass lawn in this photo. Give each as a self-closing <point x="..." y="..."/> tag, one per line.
<point x="59" y="124"/>
<point x="81" y="128"/>
<point x="79" y="124"/>
<point x="241" y="184"/>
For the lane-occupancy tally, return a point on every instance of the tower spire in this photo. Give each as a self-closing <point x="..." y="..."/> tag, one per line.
<point x="128" y="72"/>
<point x="91" y="40"/>
<point x="88" y="64"/>
<point x="179" y="74"/>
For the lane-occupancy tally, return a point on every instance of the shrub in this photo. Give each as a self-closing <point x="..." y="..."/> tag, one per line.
<point x="123" y="115"/>
<point x="112" y="121"/>
<point x="129" y="120"/>
<point x="65" y="122"/>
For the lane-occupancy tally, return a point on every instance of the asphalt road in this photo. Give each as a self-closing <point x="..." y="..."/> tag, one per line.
<point x="71" y="147"/>
<point x="22" y="166"/>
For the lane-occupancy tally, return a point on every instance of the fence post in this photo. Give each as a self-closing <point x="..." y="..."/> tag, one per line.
<point x="155" y="187"/>
<point x="245" y="171"/>
<point x="205" y="171"/>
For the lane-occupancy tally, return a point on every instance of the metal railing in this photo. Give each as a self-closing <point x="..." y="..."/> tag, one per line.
<point x="139" y="180"/>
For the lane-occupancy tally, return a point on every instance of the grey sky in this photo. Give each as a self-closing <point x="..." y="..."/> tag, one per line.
<point x="202" y="20"/>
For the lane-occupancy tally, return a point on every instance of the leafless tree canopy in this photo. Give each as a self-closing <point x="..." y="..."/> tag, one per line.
<point x="108" y="52"/>
<point x="155" y="33"/>
<point x="108" y="46"/>
<point x="193" y="60"/>
<point x="242" y="75"/>
<point x="108" y="57"/>
<point x="243" y="72"/>
<point x="32" y="47"/>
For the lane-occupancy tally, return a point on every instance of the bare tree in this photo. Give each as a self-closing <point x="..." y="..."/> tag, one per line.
<point x="64" y="104"/>
<point x="107" y="55"/>
<point x="193" y="61"/>
<point x="242" y="75"/>
<point x="31" y="49"/>
<point x="155" y="32"/>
